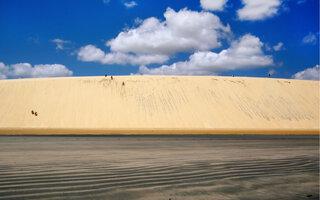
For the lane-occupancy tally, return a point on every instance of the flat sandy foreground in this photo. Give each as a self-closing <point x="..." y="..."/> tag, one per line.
<point x="158" y="105"/>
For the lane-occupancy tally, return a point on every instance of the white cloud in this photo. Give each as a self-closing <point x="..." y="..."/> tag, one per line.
<point x="213" y="4"/>
<point x="3" y="70"/>
<point x="2" y="76"/>
<point x="278" y="47"/>
<point x="267" y="47"/>
<point x="137" y="21"/>
<point x="50" y="70"/>
<point x="258" y="9"/>
<point x="154" y="41"/>
<point x="181" y="31"/>
<point x="245" y="53"/>
<point x="271" y="72"/>
<point x="60" y="43"/>
<point x="130" y="4"/>
<point x="90" y="53"/>
<point x="308" y="74"/>
<point x="25" y="70"/>
<point x="311" y="38"/>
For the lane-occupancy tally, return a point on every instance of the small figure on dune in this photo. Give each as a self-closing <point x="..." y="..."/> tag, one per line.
<point x="36" y="114"/>
<point x="111" y="77"/>
<point x="32" y="112"/>
<point x="232" y="75"/>
<point x="122" y="83"/>
<point x="105" y="75"/>
<point x="269" y="75"/>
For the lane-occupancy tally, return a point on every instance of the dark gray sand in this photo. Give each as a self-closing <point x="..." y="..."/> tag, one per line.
<point x="159" y="167"/>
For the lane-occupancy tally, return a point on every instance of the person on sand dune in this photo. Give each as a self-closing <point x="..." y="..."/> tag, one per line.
<point x="36" y="114"/>
<point x="32" y="112"/>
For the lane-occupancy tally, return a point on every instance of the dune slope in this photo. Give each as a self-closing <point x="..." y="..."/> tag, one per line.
<point x="159" y="105"/>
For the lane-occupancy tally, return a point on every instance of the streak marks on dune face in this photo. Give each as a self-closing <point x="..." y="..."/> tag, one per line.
<point x="159" y="167"/>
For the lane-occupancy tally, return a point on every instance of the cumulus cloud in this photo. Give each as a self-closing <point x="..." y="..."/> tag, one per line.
<point x="214" y="5"/>
<point x="60" y="43"/>
<point x="130" y="4"/>
<point x="181" y="31"/>
<point x="308" y="74"/>
<point x="3" y="70"/>
<point x="245" y="53"/>
<point x="258" y="9"/>
<point x="91" y="53"/>
<point x="153" y="41"/>
<point x="278" y="47"/>
<point x="311" y="38"/>
<point x="25" y="70"/>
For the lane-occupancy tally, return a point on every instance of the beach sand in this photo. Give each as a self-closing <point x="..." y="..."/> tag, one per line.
<point x="160" y="167"/>
<point x="159" y="105"/>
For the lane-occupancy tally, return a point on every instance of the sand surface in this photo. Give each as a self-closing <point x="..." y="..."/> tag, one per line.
<point x="196" y="167"/>
<point x="159" y="105"/>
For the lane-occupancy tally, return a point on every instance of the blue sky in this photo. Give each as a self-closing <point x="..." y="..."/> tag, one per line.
<point x="160" y="37"/>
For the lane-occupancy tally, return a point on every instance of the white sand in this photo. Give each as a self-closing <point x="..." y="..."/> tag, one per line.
<point x="159" y="105"/>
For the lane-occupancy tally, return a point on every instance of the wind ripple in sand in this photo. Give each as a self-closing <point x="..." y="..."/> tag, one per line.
<point x="159" y="177"/>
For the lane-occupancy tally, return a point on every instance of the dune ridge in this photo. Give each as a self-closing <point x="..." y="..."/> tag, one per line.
<point x="159" y="105"/>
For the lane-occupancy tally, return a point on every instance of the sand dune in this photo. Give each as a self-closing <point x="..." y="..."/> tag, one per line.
<point x="159" y="105"/>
